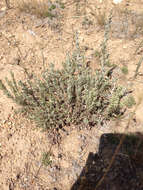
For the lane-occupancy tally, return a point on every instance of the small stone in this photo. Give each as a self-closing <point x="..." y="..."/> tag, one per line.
<point x="4" y="121"/>
<point x="59" y="155"/>
<point x="3" y="9"/>
<point x="10" y="123"/>
<point x="124" y="46"/>
<point x="2" y="13"/>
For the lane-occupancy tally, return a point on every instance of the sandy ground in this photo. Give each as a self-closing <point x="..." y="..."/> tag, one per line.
<point x="26" y="42"/>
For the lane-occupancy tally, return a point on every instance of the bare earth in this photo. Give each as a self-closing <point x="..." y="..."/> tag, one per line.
<point x="25" y="42"/>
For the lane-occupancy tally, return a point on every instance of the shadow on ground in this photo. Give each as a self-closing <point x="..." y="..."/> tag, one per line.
<point x="126" y="172"/>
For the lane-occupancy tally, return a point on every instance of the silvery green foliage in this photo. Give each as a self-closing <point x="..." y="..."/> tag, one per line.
<point x="71" y="95"/>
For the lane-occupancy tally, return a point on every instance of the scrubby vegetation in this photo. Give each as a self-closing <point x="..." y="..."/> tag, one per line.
<point x="72" y="95"/>
<point x="41" y="9"/>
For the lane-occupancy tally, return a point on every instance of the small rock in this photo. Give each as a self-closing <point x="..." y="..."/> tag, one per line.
<point x="2" y="13"/>
<point x="32" y="32"/>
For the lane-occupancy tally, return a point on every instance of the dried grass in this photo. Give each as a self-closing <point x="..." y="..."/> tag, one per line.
<point x="39" y="8"/>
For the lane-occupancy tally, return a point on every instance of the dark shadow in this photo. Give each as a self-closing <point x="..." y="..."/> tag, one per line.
<point x="126" y="172"/>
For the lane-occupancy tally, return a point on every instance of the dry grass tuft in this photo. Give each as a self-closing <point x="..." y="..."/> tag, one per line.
<point x="101" y="18"/>
<point x="40" y="8"/>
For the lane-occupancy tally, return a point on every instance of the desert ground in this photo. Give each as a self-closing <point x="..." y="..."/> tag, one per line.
<point x="28" y="40"/>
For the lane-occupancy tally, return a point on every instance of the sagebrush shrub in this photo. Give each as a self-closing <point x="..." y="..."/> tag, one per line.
<point x="71" y="95"/>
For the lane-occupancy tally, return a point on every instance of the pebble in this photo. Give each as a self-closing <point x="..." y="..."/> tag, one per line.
<point x="4" y="121"/>
<point x="9" y="123"/>
<point x="32" y="32"/>
<point x="2" y="13"/>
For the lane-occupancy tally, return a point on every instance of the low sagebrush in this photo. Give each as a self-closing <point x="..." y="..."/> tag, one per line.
<point x="72" y="95"/>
